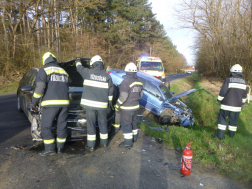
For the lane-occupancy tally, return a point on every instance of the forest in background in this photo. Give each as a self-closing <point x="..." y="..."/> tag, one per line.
<point x="224" y="34"/>
<point x="118" y="30"/>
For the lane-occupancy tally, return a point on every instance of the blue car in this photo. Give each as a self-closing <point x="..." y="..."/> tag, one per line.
<point x="158" y="99"/>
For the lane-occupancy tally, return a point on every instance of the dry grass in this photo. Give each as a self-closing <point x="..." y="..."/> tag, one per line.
<point x="212" y="84"/>
<point x="11" y="77"/>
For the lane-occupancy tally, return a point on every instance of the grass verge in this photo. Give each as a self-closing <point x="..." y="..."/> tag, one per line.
<point x="12" y="87"/>
<point x="231" y="156"/>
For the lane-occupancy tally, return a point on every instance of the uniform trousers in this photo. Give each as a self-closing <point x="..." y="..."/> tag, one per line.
<point x="95" y="117"/>
<point x="222" y="123"/>
<point x="129" y="126"/>
<point x="49" y="114"/>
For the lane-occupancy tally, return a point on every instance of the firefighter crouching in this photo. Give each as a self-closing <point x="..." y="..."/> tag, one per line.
<point x="97" y="98"/>
<point x="131" y="90"/>
<point x="52" y="83"/>
<point x="232" y="97"/>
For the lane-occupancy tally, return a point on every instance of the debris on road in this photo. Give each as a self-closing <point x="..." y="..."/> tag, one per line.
<point x="172" y="167"/>
<point x="201" y="184"/>
<point x="160" y="140"/>
<point x="143" y="150"/>
<point x="157" y="128"/>
<point x="16" y="147"/>
<point x="156" y="174"/>
<point x="71" y="157"/>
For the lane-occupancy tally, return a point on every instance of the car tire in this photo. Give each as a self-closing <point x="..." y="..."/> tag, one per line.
<point x="18" y="104"/>
<point x="166" y="117"/>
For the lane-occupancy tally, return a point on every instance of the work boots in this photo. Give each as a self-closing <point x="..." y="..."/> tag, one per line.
<point x="47" y="153"/>
<point x="91" y="149"/>
<point x="122" y="145"/>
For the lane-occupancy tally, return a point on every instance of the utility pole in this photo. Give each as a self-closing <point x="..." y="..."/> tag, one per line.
<point x="150" y="51"/>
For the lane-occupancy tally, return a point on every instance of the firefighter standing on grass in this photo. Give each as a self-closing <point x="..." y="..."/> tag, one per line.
<point x="97" y="98"/>
<point x="52" y="84"/>
<point x="131" y="90"/>
<point x="232" y="97"/>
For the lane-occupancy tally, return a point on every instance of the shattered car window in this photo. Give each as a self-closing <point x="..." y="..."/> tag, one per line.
<point x="143" y="80"/>
<point x="165" y="91"/>
<point x="152" y="89"/>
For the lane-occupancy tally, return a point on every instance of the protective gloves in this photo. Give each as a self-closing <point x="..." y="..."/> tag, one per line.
<point x="117" y="108"/>
<point x="110" y="108"/>
<point x="78" y="59"/>
<point x="32" y="108"/>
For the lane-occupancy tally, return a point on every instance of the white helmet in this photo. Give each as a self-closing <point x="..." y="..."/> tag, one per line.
<point x="236" y="68"/>
<point x="131" y="67"/>
<point x="95" y="58"/>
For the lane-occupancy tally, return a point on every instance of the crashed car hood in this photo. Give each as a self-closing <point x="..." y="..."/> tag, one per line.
<point x="182" y="94"/>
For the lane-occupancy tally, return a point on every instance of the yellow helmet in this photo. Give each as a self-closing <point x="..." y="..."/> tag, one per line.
<point x="48" y="57"/>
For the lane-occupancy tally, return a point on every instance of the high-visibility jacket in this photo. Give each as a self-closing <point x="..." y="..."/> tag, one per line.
<point x="131" y="90"/>
<point x="52" y="84"/>
<point x="97" y="87"/>
<point x="233" y="93"/>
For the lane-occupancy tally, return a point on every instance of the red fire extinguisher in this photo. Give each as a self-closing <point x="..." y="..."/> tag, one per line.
<point x="186" y="160"/>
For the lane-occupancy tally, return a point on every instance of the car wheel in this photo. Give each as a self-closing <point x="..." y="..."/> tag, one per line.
<point x="166" y="117"/>
<point x="18" y="103"/>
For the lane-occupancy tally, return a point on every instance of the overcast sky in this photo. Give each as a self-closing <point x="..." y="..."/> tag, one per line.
<point x="182" y="38"/>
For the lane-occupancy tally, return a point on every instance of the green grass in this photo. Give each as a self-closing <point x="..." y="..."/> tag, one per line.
<point x="12" y="87"/>
<point x="231" y="156"/>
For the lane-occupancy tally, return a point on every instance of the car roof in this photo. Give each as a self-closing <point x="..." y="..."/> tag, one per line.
<point x="148" y="77"/>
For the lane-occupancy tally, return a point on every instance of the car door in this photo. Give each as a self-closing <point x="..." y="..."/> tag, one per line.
<point x="31" y="83"/>
<point x="22" y="95"/>
<point x="28" y="95"/>
<point x="151" y="99"/>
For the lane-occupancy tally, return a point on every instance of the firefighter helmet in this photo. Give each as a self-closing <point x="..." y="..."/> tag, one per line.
<point x="131" y="67"/>
<point x="94" y="59"/>
<point x="236" y="68"/>
<point x="48" y="57"/>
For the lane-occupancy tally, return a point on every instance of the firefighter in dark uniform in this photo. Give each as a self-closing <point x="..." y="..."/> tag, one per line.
<point x="52" y="84"/>
<point x="97" y="97"/>
<point x="131" y="90"/>
<point x="232" y="97"/>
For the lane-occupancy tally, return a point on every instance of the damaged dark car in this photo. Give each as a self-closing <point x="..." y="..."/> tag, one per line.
<point x="76" y="120"/>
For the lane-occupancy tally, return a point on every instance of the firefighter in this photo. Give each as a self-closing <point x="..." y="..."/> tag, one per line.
<point x="97" y="98"/>
<point x="232" y="97"/>
<point x="131" y="90"/>
<point x="52" y="84"/>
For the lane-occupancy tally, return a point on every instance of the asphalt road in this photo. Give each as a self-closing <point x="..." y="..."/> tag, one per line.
<point x="147" y="165"/>
<point x="173" y="77"/>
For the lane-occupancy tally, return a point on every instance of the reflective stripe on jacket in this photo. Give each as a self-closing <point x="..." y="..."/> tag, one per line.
<point x="130" y="92"/>
<point x="97" y="87"/>
<point x="52" y="84"/>
<point x="233" y="93"/>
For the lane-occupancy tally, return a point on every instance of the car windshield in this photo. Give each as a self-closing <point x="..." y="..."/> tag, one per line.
<point x="151" y="66"/>
<point x="165" y="91"/>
